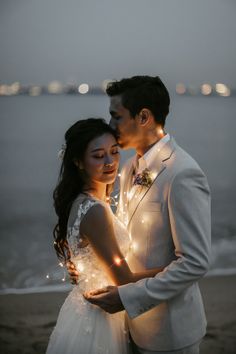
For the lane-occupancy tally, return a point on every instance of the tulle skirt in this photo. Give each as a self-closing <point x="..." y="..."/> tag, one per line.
<point x="83" y="328"/>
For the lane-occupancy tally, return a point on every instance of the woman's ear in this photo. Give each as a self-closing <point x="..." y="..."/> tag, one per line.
<point x="78" y="164"/>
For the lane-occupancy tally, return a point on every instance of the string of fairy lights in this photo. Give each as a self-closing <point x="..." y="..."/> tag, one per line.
<point x="59" y="88"/>
<point x="122" y="214"/>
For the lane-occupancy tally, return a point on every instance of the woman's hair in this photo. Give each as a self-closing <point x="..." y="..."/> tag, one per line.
<point x="71" y="179"/>
<point x="140" y="92"/>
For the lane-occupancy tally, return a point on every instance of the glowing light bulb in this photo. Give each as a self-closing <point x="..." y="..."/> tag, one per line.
<point x="119" y="174"/>
<point x="153" y="175"/>
<point x="47" y="276"/>
<point x="134" y="246"/>
<point x="80" y="267"/>
<point x="117" y="261"/>
<point x="61" y="264"/>
<point x="63" y="279"/>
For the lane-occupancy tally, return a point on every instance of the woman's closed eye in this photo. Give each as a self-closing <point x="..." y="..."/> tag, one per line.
<point x="98" y="156"/>
<point x="101" y="156"/>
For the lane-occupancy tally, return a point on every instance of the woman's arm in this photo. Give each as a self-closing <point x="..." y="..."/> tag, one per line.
<point x="97" y="225"/>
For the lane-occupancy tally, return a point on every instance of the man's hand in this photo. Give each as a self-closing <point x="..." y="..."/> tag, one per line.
<point x="73" y="273"/>
<point x="107" y="298"/>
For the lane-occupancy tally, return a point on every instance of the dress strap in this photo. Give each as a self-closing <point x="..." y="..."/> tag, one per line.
<point x="73" y="232"/>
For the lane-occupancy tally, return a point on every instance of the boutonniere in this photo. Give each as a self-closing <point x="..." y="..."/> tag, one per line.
<point x="144" y="178"/>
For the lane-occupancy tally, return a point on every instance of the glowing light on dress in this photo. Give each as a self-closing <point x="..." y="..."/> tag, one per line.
<point x="117" y="261"/>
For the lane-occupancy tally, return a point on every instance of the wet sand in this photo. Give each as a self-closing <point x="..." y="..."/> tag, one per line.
<point x="26" y="321"/>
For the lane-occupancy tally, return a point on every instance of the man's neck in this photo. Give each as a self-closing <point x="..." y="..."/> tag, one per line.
<point x="147" y="144"/>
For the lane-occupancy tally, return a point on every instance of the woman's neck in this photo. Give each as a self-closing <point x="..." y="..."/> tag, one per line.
<point x="96" y="190"/>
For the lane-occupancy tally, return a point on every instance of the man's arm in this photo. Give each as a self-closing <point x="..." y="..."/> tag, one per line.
<point x="190" y="222"/>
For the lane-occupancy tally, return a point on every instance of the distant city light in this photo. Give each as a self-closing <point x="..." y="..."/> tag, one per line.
<point x="55" y="87"/>
<point x="193" y="90"/>
<point x="222" y="90"/>
<point x="180" y="89"/>
<point x="83" y="88"/>
<point x="58" y="88"/>
<point x="35" y="91"/>
<point x="206" y="89"/>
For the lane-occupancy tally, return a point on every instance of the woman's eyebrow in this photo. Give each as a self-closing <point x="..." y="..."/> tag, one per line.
<point x="98" y="149"/>
<point x="102" y="149"/>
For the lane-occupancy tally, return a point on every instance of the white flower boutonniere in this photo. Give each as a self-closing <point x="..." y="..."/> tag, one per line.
<point x="144" y="178"/>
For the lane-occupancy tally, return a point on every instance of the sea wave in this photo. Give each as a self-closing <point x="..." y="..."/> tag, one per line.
<point x="38" y="289"/>
<point x="65" y="287"/>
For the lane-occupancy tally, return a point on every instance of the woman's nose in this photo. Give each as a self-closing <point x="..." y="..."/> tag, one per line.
<point x="109" y="160"/>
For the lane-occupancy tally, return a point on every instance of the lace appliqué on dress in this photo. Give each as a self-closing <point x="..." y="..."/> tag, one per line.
<point x="73" y="234"/>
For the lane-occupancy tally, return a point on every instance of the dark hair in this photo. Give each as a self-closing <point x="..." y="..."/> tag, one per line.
<point x="140" y="92"/>
<point x="71" y="179"/>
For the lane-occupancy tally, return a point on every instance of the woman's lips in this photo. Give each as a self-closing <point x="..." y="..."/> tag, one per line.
<point x="109" y="172"/>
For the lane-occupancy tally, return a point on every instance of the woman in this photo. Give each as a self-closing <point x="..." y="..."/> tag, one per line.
<point x="89" y="235"/>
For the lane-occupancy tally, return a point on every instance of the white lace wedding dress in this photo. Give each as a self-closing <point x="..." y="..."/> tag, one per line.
<point x="83" y="328"/>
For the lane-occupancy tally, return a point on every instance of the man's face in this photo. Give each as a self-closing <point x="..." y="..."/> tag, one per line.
<point x="126" y="126"/>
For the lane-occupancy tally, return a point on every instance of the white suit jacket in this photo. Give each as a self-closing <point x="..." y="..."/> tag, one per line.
<point x="170" y="226"/>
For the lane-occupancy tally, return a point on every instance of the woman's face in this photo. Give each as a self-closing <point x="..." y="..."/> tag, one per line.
<point x="101" y="160"/>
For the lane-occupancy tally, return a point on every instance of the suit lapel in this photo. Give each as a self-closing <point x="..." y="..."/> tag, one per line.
<point x="140" y="193"/>
<point x="156" y="167"/>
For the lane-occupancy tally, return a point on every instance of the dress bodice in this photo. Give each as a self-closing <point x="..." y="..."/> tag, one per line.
<point x="91" y="274"/>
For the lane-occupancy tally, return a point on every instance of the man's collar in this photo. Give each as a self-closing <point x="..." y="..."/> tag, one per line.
<point x="147" y="159"/>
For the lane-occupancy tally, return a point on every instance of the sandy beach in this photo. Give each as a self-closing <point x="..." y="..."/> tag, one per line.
<point x="27" y="320"/>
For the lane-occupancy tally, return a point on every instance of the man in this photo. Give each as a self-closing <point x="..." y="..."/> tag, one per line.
<point x="165" y="203"/>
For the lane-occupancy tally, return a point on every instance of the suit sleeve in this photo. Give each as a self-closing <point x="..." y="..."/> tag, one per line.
<point x="190" y="223"/>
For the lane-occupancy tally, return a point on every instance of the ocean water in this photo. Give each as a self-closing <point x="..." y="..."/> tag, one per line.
<point x="31" y="133"/>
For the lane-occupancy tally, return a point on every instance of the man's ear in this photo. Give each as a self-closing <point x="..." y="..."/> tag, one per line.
<point x="144" y="115"/>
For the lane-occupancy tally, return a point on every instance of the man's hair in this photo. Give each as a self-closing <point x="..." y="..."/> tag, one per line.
<point x="140" y="92"/>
